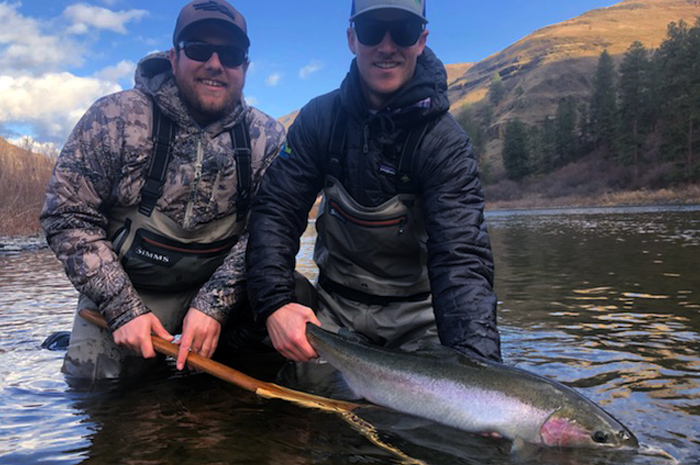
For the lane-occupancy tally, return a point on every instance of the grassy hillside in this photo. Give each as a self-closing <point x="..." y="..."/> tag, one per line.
<point x="23" y="178"/>
<point x="559" y="60"/>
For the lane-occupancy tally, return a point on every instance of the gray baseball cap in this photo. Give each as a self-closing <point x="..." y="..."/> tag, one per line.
<point x="417" y="7"/>
<point x="211" y="10"/>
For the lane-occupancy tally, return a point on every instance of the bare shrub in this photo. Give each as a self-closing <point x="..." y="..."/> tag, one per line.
<point x="23" y="178"/>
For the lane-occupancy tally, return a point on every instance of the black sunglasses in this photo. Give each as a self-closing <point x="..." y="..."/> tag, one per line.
<point x="229" y="56"/>
<point x="404" y="33"/>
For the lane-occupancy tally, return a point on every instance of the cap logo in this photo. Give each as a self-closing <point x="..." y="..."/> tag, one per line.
<point x="214" y="6"/>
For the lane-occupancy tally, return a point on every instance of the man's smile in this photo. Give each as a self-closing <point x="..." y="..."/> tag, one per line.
<point x="387" y="64"/>
<point x="212" y="82"/>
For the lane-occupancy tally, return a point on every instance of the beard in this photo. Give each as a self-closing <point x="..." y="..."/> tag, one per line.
<point x="205" y="109"/>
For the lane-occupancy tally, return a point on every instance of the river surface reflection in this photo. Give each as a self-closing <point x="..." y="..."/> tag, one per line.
<point x="604" y="300"/>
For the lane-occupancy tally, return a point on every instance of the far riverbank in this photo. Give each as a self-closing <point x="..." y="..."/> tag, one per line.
<point x="689" y="195"/>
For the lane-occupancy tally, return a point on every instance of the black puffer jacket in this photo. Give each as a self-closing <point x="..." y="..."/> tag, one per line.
<point x="460" y="260"/>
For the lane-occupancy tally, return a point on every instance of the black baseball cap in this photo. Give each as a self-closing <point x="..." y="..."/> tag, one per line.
<point x="211" y="10"/>
<point x="415" y="7"/>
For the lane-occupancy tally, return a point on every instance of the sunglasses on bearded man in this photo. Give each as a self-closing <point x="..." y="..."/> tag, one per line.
<point x="229" y="56"/>
<point x="371" y="32"/>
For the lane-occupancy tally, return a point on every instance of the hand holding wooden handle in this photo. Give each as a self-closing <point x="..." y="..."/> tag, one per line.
<point x="228" y="374"/>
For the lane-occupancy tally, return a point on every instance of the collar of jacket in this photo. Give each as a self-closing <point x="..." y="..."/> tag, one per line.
<point x="154" y="77"/>
<point x="407" y="107"/>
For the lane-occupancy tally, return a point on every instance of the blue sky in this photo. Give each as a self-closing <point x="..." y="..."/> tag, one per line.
<point x="58" y="56"/>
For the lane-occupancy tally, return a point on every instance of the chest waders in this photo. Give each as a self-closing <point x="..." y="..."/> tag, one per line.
<point x="376" y="251"/>
<point x="166" y="263"/>
<point x="373" y="265"/>
<point x="373" y="260"/>
<point x="158" y="254"/>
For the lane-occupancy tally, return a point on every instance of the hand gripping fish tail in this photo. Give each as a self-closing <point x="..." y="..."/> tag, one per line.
<point x="473" y="395"/>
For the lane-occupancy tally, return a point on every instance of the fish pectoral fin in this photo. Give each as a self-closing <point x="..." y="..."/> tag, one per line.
<point x="341" y="389"/>
<point x="522" y="450"/>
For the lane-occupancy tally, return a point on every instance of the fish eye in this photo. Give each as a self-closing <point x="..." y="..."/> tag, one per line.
<point x="600" y="437"/>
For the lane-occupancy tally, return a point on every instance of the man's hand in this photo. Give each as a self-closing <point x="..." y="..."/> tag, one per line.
<point x="136" y="334"/>
<point x="287" y="328"/>
<point x="200" y="334"/>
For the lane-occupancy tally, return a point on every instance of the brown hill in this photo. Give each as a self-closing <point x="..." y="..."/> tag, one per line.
<point x="288" y="119"/>
<point x="23" y="178"/>
<point x="559" y="60"/>
<point x="456" y="71"/>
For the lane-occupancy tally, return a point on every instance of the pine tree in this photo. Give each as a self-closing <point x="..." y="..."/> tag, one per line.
<point x="584" y="128"/>
<point x="496" y="90"/>
<point x="678" y="58"/>
<point x="603" y="106"/>
<point x="635" y="119"/>
<point x="565" y="127"/>
<point x="516" y="158"/>
<point x="549" y="145"/>
<point x="467" y="118"/>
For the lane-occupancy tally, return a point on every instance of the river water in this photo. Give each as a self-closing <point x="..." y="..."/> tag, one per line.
<point x="604" y="300"/>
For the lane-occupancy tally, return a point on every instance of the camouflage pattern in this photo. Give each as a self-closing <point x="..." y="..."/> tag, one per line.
<point x="103" y="165"/>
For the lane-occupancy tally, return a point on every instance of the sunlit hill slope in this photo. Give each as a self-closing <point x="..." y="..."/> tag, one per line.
<point x="560" y="60"/>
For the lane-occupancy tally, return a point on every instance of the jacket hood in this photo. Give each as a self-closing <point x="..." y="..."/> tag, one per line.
<point x="423" y="97"/>
<point x="154" y="77"/>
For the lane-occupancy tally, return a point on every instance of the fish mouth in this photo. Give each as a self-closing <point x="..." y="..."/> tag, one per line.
<point x="559" y="431"/>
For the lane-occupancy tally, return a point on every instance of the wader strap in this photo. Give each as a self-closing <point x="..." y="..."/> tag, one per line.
<point x="240" y="139"/>
<point x="404" y="174"/>
<point x="363" y="297"/>
<point x="163" y="134"/>
<point x="337" y="143"/>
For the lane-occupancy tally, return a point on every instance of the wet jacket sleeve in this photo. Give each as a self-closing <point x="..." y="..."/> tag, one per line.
<point x="460" y="261"/>
<point x="220" y="294"/>
<point x="73" y="219"/>
<point x="279" y="215"/>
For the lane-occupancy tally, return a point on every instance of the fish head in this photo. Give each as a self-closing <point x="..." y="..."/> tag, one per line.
<point x="592" y="428"/>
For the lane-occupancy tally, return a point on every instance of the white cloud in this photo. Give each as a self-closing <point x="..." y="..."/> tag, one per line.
<point x="27" y="143"/>
<point x="311" y="68"/>
<point x="24" y="48"/>
<point x="38" y="96"/>
<point x="273" y="79"/>
<point x="83" y="17"/>
<point x="20" y="25"/>
<point x="252" y="101"/>
<point x="51" y="104"/>
<point x="122" y="70"/>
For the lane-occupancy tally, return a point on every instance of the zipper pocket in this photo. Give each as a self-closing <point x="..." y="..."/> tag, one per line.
<point x="337" y="211"/>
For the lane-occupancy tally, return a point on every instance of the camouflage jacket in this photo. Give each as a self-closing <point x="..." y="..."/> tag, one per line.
<point x="103" y="165"/>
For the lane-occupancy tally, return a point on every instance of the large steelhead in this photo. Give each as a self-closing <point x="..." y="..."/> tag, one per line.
<point x="471" y="394"/>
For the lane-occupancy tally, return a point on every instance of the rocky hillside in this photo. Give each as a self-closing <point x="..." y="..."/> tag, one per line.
<point x="560" y="60"/>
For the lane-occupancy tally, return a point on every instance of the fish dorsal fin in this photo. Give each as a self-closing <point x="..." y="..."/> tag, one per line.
<point x="353" y="336"/>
